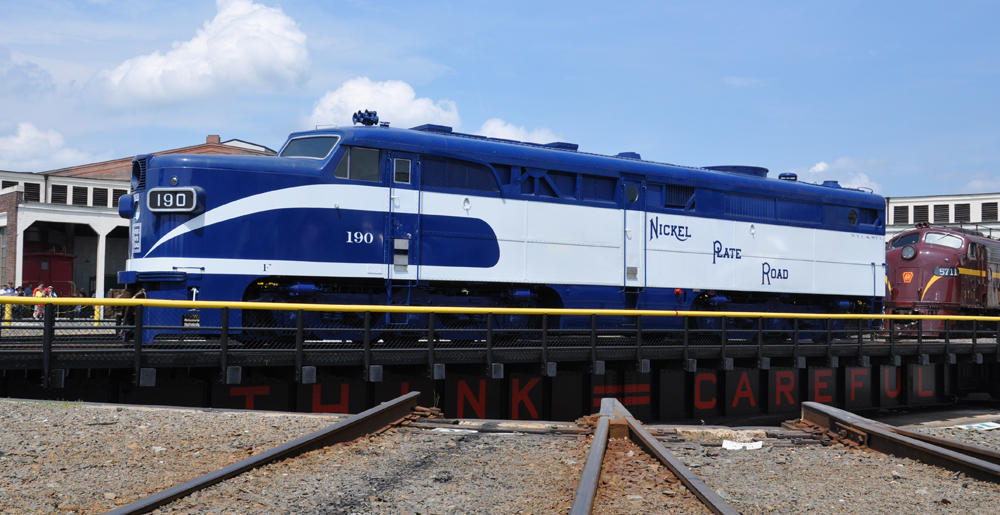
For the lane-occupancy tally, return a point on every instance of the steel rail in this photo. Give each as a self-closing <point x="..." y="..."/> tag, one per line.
<point x="702" y="491"/>
<point x="891" y="440"/>
<point x="586" y="489"/>
<point x="353" y="427"/>
<point x="983" y="453"/>
<point x="379" y="308"/>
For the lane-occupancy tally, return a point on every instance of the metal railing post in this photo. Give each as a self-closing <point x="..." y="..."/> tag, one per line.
<point x="638" y="341"/>
<point x="299" y="344"/>
<point x="920" y="337"/>
<point x="593" y="340"/>
<point x="687" y="342"/>
<point x="795" y="340"/>
<point x="947" y="338"/>
<point x="760" y="340"/>
<point x="996" y="343"/>
<point x="489" y="340"/>
<point x="829" y="341"/>
<point x="137" y="343"/>
<point x="367" y="343"/>
<point x="430" y="342"/>
<point x="224" y="343"/>
<point x="861" y="340"/>
<point x="47" y="332"/>
<point x="545" y="341"/>
<point x="892" y="338"/>
<point x="723" y="341"/>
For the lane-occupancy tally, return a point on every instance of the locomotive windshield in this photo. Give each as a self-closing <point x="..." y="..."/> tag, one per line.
<point x="317" y="147"/>
<point x="945" y="240"/>
<point x="906" y="239"/>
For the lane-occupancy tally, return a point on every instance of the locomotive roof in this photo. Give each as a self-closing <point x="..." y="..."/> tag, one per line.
<point x="566" y="157"/>
<point x="972" y="234"/>
<point x="561" y="157"/>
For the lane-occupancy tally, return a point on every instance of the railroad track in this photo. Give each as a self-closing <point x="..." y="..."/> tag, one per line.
<point x="399" y="457"/>
<point x="371" y="421"/>
<point x="835" y="426"/>
<point x="615" y="421"/>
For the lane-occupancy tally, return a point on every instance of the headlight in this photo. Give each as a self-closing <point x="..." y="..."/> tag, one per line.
<point x="126" y="208"/>
<point x="945" y="271"/>
<point x="909" y="252"/>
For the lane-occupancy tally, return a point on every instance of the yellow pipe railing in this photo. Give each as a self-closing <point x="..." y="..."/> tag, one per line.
<point x="360" y="308"/>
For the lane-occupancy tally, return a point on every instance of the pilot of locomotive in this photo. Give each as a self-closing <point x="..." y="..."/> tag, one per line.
<point x="940" y="271"/>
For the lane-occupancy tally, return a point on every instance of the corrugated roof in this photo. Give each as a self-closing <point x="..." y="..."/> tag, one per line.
<point x="121" y="169"/>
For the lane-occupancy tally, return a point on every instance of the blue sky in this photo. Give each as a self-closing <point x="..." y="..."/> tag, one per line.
<point x="901" y="97"/>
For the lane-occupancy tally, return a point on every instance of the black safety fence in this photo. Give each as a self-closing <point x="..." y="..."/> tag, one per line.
<point x="299" y="333"/>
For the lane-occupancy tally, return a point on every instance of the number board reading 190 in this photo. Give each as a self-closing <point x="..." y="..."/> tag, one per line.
<point x="171" y="200"/>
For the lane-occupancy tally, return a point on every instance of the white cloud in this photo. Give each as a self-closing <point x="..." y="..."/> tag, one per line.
<point x="394" y="101"/>
<point x="31" y="149"/>
<point x="849" y="172"/>
<point x="21" y="79"/>
<point x="744" y="82"/>
<point x="819" y="167"/>
<point x="982" y="182"/>
<point x="247" y="47"/>
<point x="497" y="128"/>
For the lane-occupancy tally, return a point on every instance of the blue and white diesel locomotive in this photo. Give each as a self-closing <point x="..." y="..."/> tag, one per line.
<point x="426" y="216"/>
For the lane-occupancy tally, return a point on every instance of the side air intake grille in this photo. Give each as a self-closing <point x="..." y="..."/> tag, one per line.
<point x="139" y="171"/>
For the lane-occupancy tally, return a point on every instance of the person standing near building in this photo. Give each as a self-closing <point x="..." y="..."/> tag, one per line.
<point x="39" y="293"/>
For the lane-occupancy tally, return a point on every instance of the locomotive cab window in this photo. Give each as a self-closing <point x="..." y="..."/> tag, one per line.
<point x="945" y="240"/>
<point x="401" y="171"/>
<point x="359" y="164"/>
<point x="972" y="250"/>
<point x="317" y="147"/>
<point x="906" y="239"/>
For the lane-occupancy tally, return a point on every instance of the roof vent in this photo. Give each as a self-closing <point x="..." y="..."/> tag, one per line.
<point x="429" y="127"/>
<point x="788" y="176"/>
<point x="629" y="155"/>
<point x="831" y="184"/>
<point x="563" y="146"/>
<point x="755" y="171"/>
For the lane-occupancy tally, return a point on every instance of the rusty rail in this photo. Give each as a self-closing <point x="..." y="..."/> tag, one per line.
<point x="364" y="423"/>
<point x="708" y="497"/>
<point x="974" y="461"/>
<point x="613" y="410"/>
<point x="586" y="490"/>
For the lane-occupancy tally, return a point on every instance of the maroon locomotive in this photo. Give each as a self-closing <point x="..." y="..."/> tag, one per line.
<point x="942" y="271"/>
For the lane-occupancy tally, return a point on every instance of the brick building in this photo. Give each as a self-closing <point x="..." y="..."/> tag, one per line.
<point x="62" y="227"/>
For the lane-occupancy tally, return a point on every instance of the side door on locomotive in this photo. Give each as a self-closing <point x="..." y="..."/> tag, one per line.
<point x="402" y="172"/>
<point x="633" y="192"/>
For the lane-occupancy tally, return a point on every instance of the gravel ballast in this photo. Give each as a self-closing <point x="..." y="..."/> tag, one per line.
<point x="989" y="439"/>
<point x="68" y="457"/>
<point x="802" y="479"/>
<point x="409" y="472"/>
<point x="87" y="459"/>
<point x="634" y="482"/>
